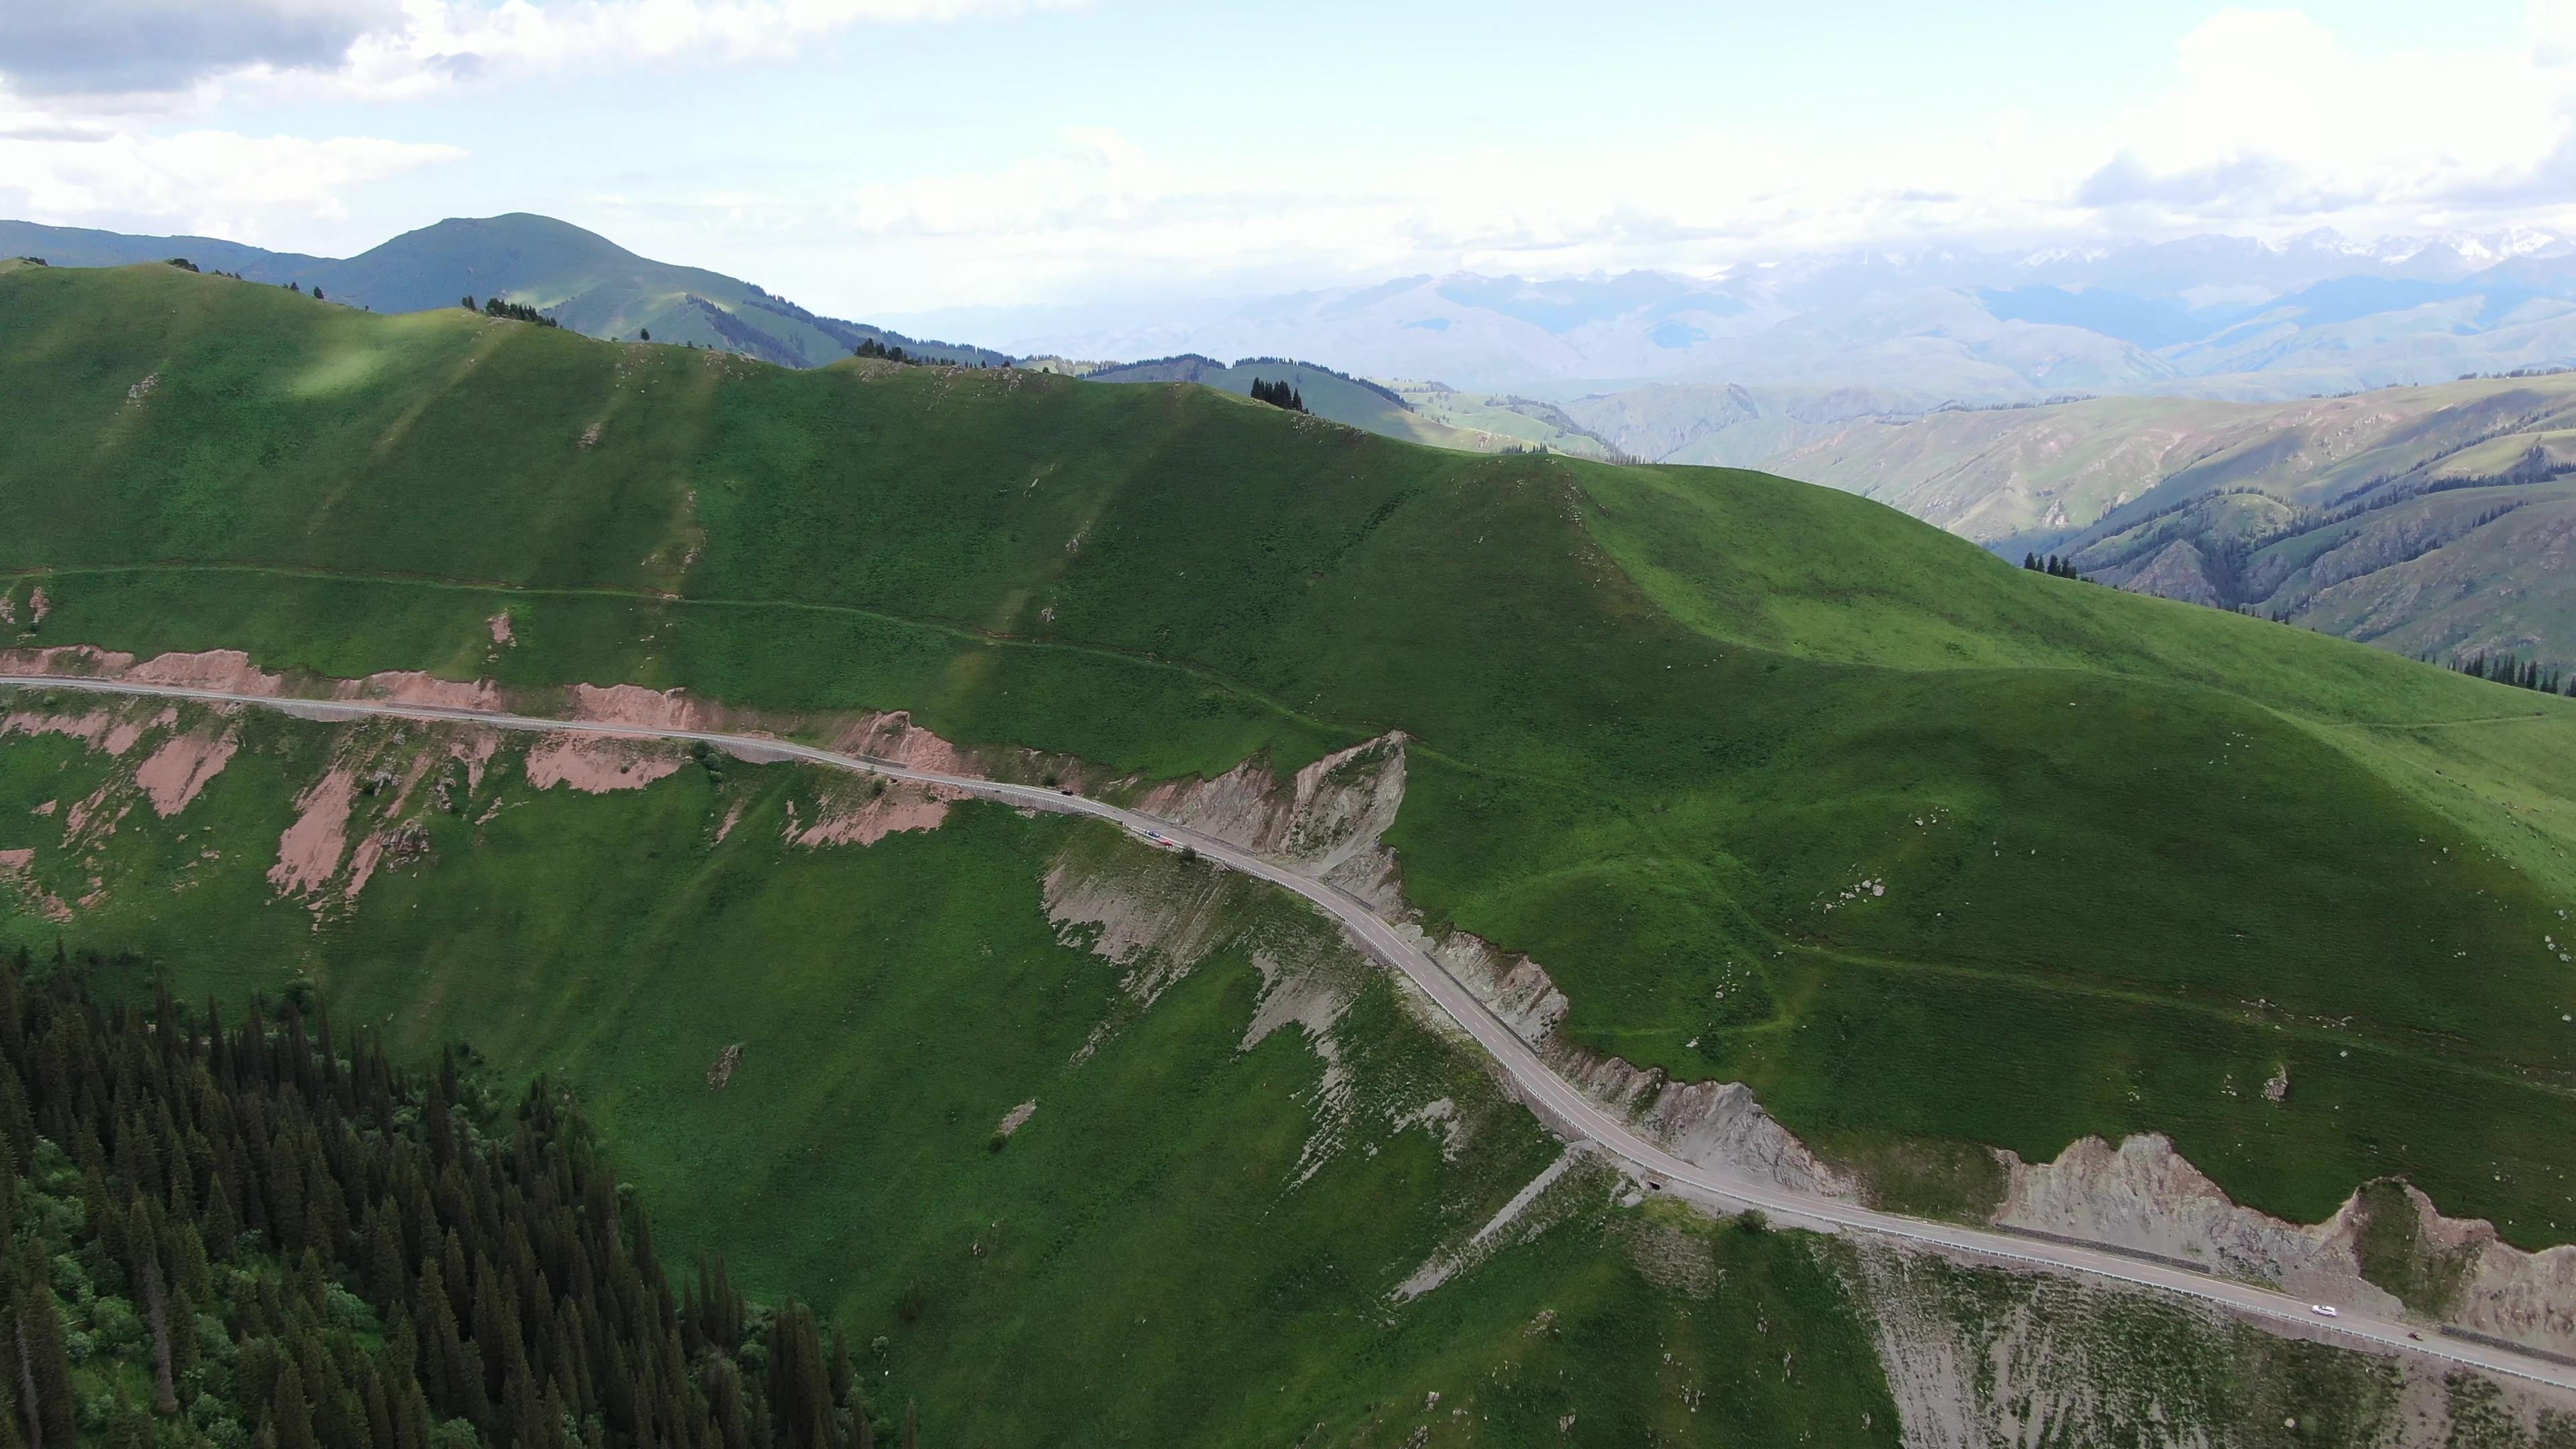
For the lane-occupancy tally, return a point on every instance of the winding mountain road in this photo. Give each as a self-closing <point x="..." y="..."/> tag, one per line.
<point x="1539" y="1086"/>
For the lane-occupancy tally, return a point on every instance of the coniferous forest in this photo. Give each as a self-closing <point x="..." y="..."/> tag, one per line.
<point x="251" y="1234"/>
<point x="1280" y="394"/>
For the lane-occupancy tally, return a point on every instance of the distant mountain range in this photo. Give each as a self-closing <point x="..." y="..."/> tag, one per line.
<point x="2207" y="316"/>
<point x="582" y="279"/>
<point x="2435" y="520"/>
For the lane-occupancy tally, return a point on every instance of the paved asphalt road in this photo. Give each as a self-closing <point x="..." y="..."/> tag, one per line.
<point x="1541" y="1088"/>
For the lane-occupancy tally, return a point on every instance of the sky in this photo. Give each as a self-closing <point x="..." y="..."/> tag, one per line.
<point x="886" y="157"/>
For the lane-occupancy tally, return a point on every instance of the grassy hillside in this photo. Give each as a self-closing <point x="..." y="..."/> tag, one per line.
<point x="1501" y="421"/>
<point x="1192" y="1238"/>
<point x="2137" y="857"/>
<point x="802" y="1056"/>
<point x="580" y="278"/>
<point x="2422" y="519"/>
<point x="1328" y="394"/>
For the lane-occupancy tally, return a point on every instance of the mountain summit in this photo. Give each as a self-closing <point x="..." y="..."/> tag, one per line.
<point x="578" y="277"/>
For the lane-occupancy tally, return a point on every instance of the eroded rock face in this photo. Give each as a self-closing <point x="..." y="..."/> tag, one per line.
<point x="1714" y="1124"/>
<point x="1327" y="820"/>
<point x="1979" y="1357"/>
<point x="2143" y="1194"/>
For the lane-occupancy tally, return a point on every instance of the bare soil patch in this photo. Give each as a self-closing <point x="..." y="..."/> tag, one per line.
<point x="176" y="773"/>
<point x="598" y="764"/>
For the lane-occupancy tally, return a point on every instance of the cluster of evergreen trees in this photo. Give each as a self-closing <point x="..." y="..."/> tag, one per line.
<point x="2518" y="672"/>
<point x="871" y="347"/>
<point x="2053" y="566"/>
<point x="284" y="1245"/>
<point x="495" y="307"/>
<point x="1279" y="394"/>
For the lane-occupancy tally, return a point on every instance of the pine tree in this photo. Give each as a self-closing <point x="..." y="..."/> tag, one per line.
<point x="44" y="1371"/>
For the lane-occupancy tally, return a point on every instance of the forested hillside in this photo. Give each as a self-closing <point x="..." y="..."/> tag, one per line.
<point x="226" y="1235"/>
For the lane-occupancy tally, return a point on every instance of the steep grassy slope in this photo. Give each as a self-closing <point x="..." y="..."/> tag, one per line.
<point x="1196" y="1232"/>
<point x="581" y="278"/>
<point x="2363" y="515"/>
<point x="1674" y="728"/>
<point x="1193" y="1237"/>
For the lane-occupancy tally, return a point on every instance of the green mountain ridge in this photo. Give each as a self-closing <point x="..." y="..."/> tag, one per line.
<point x="1671" y="730"/>
<point x="1327" y="394"/>
<point x="582" y="279"/>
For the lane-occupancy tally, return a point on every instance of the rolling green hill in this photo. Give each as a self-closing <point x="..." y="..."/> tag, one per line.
<point x="1498" y="421"/>
<point x="2423" y="519"/>
<point x="580" y="278"/>
<point x="1662" y="714"/>
<point x="1328" y="394"/>
<point x="2136" y="857"/>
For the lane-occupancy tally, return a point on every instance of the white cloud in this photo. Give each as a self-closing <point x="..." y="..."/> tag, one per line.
<point x="216" y="183"/>
<point x="195" y="53"/>
<point x="2271" y="125"/>
<point x="2274" y="119"/>
<point x="96" y="96"/>
<point x="130" y="46"/>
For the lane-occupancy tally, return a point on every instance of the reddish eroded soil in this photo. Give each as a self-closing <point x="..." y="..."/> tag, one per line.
<point x="500" y="625"/>
<point x="597" y="764"/>
<point x="176" y="773"/>
<point x="632" y="704"/>
<point x="112" y="730"/>
<point x="894" y="737"/>
<point x="18" y="868"/>
<point x="309" y="851"/>
<point x="858" y="814"/>
<point x="475" y="750"/>
<point x="232" y="671"/>
<point x="411" y="686"/>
